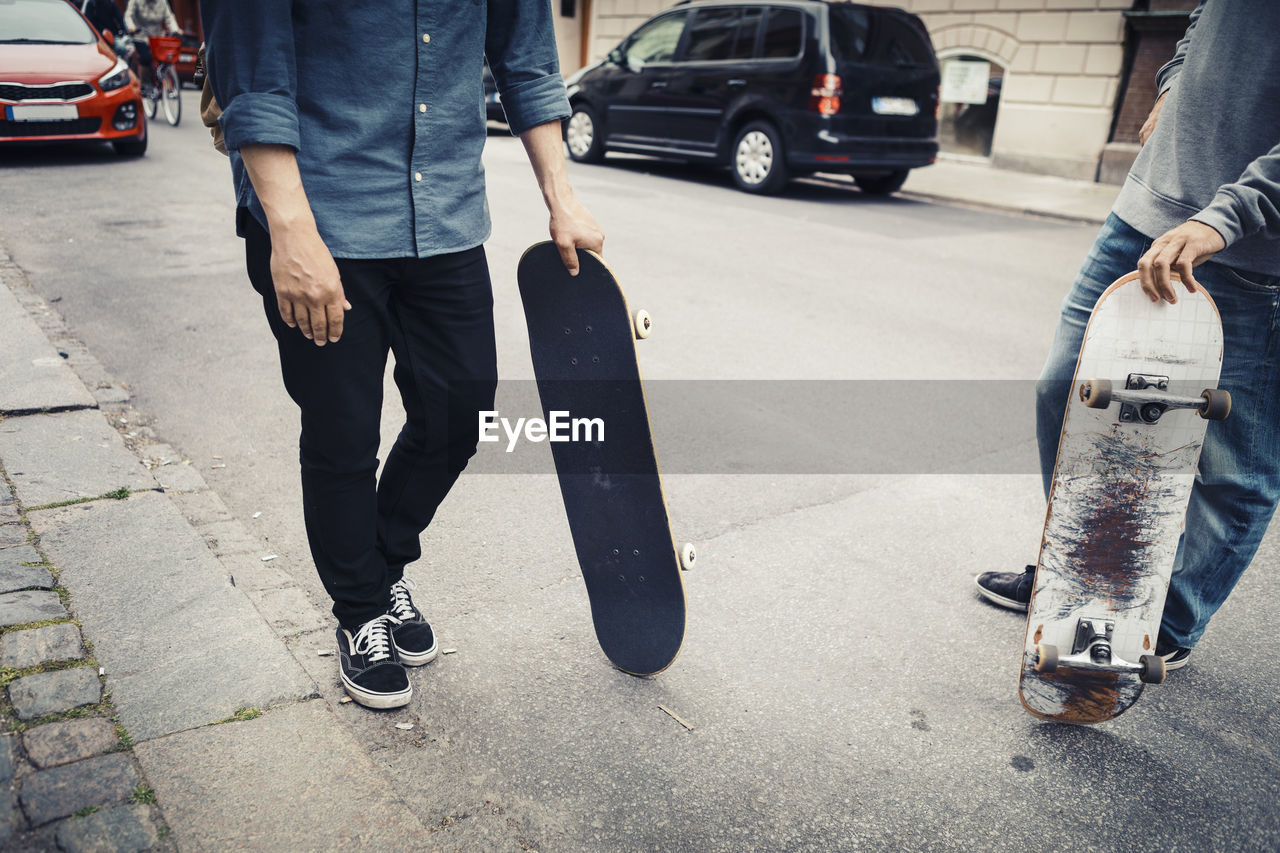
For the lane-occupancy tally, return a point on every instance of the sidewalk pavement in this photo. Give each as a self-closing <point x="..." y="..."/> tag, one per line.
<point x="157" y="670"/>
<point x="980" y="186"/>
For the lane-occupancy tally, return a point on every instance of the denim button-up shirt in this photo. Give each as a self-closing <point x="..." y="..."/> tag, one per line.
<point x="383" y="102"/>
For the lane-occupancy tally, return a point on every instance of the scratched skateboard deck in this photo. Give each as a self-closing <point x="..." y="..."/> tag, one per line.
<point x="582" y="337"/>
<point x="1126" y="463"/>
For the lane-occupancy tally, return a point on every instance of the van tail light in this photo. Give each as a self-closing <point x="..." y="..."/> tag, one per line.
<point x="824" y="98"/>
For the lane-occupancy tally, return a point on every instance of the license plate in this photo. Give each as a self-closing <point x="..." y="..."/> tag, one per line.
<point x="895" y="107"/>
<point x="495" y="98"/>
<point x="187" y="57"/>
<point x="43" y="112"/>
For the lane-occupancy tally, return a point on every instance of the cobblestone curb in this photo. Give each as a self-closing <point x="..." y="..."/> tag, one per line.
<point x="68" y="777"/>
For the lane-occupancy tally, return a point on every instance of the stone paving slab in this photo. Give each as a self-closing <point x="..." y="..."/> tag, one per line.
<point x="19" y="608"/>
<point x="34" y="646"/>
<point x="288" y="611"/>
<point x="6" y="759"/>
<point x="68" y="741"/>
<point x="9" y="513"/>
<point x="293" y="779"/>
<point x="34" y="696"/>
<point x="63" y="791"/>
<point x="33" y="377"/>
<point x="119" y="829"/>
<point x="18" y="577"/>
<point x="9" y="815"/>
<point x="12" y="535"/>
<point x="17" y="555"/>
<point x="182" y="647"/>
<point x="67" y="456"/>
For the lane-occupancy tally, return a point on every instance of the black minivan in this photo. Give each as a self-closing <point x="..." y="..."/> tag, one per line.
<point x="770" y="89"/>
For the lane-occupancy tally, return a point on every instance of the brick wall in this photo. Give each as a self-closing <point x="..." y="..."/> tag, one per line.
<point x="1152" y="41"/>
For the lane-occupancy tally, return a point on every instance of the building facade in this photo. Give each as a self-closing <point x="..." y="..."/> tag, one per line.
<point x="1069" y="82"/>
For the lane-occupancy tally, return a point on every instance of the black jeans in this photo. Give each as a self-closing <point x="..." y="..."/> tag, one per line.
<point x="436" y="315"/>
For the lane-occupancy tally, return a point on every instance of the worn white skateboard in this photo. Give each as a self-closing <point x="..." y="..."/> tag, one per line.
<point x="1144" y="391"/>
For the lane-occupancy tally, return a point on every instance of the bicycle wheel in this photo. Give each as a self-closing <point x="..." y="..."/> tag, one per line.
<point x="150" y="100"/>
<point x="170" y="94"/>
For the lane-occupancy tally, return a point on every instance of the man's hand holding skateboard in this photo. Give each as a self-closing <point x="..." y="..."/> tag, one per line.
<point x="1177" y="251"/>
<point x="572" y="226"/>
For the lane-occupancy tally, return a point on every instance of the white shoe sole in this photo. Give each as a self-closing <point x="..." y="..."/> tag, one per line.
<point x="411" y="659"/>
<point x="1010" y="603"/>
<point x="380" y="701"/>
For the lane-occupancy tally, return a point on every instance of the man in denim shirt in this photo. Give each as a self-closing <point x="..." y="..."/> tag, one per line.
<point x="355" y="132"/>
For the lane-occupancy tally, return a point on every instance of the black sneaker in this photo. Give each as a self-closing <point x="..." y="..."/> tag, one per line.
<point x="1007" y="589"/>
<point x="371" y="669"/>
<point x="414" y="640"/>
<point x="1175" y="657"/>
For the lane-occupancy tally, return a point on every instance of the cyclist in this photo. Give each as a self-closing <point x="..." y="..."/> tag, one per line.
<point x="146" y="18"/>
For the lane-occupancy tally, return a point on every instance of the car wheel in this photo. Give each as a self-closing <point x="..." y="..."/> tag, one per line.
<point x="583" y="135"/>
<point x="759" y="164"/>
<point x="135" y="147"/>
<point x="882" y="184"/>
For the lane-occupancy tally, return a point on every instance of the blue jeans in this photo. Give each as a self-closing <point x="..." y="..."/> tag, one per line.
<point x="1238" y="482"/>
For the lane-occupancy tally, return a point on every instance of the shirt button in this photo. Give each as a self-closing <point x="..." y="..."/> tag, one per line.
<point x="417" y="176"/>
<point x="426" y="37"/>
<point x="422" y="108"/>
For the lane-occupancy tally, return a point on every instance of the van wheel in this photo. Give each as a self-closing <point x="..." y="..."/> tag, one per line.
<point x="882" y="184"/>
<point x="759" y="163"/>
<point x="582" y="133"/>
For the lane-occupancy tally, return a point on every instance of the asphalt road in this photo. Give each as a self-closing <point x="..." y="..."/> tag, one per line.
<point x="846" y="688"/>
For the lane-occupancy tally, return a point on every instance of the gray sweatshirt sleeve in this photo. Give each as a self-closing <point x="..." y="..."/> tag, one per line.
<point x="1251" y="205"/>
<point x="1169" y="71"/>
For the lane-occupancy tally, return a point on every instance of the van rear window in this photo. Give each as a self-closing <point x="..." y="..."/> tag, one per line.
<point x="875" y="36"/>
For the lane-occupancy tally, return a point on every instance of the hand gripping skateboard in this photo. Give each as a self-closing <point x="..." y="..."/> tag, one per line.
<point x="1126" y="462"/>
<point x="582" y="337"/>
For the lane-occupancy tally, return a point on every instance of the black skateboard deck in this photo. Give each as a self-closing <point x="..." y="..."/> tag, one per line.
<point x="583" y="340"/>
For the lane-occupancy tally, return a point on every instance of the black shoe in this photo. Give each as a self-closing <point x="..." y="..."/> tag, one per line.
<point x="414" y="640"/>
<point x="1007" y="589"/>
<point x="371" y="669"/>
<point x="1175" y="657"/>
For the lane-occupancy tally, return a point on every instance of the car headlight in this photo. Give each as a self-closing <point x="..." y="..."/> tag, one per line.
<point x="116" y="78"/>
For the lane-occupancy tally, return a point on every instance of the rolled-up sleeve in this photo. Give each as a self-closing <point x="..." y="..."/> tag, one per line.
<point x="520" y="44"/>
<point x="250" y="56"/>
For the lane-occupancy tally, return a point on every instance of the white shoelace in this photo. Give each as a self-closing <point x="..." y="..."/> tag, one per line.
<point x="374" y="638"/>
<point x="401" y="603"/>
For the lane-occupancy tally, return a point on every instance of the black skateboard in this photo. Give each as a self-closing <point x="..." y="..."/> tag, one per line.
<point x="582" y="337"/>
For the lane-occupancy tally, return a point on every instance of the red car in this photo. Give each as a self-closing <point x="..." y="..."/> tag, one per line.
<point x="59" y="81"/>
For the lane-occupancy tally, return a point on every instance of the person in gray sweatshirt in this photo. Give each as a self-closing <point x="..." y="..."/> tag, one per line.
<point x="1202" y="201"/>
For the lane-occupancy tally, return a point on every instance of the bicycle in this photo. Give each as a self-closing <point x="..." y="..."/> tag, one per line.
<point x="164" y="90"/>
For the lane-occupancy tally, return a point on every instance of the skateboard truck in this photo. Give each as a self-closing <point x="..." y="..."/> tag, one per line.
<point x="1146" y="397"/>
<point x="1091" y="650"/>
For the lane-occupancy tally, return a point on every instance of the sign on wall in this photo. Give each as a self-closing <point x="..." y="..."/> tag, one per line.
<point x="965" y="81"/>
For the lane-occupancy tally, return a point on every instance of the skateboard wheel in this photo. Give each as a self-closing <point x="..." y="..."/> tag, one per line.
<point x="1217" y="404"/>
<point x="1153" y="670"/>
<point x="687" y="556"/>
<point x="1046" y="657"/>
<point x="643" y="324"/>
<point x="1096" y="393"/>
